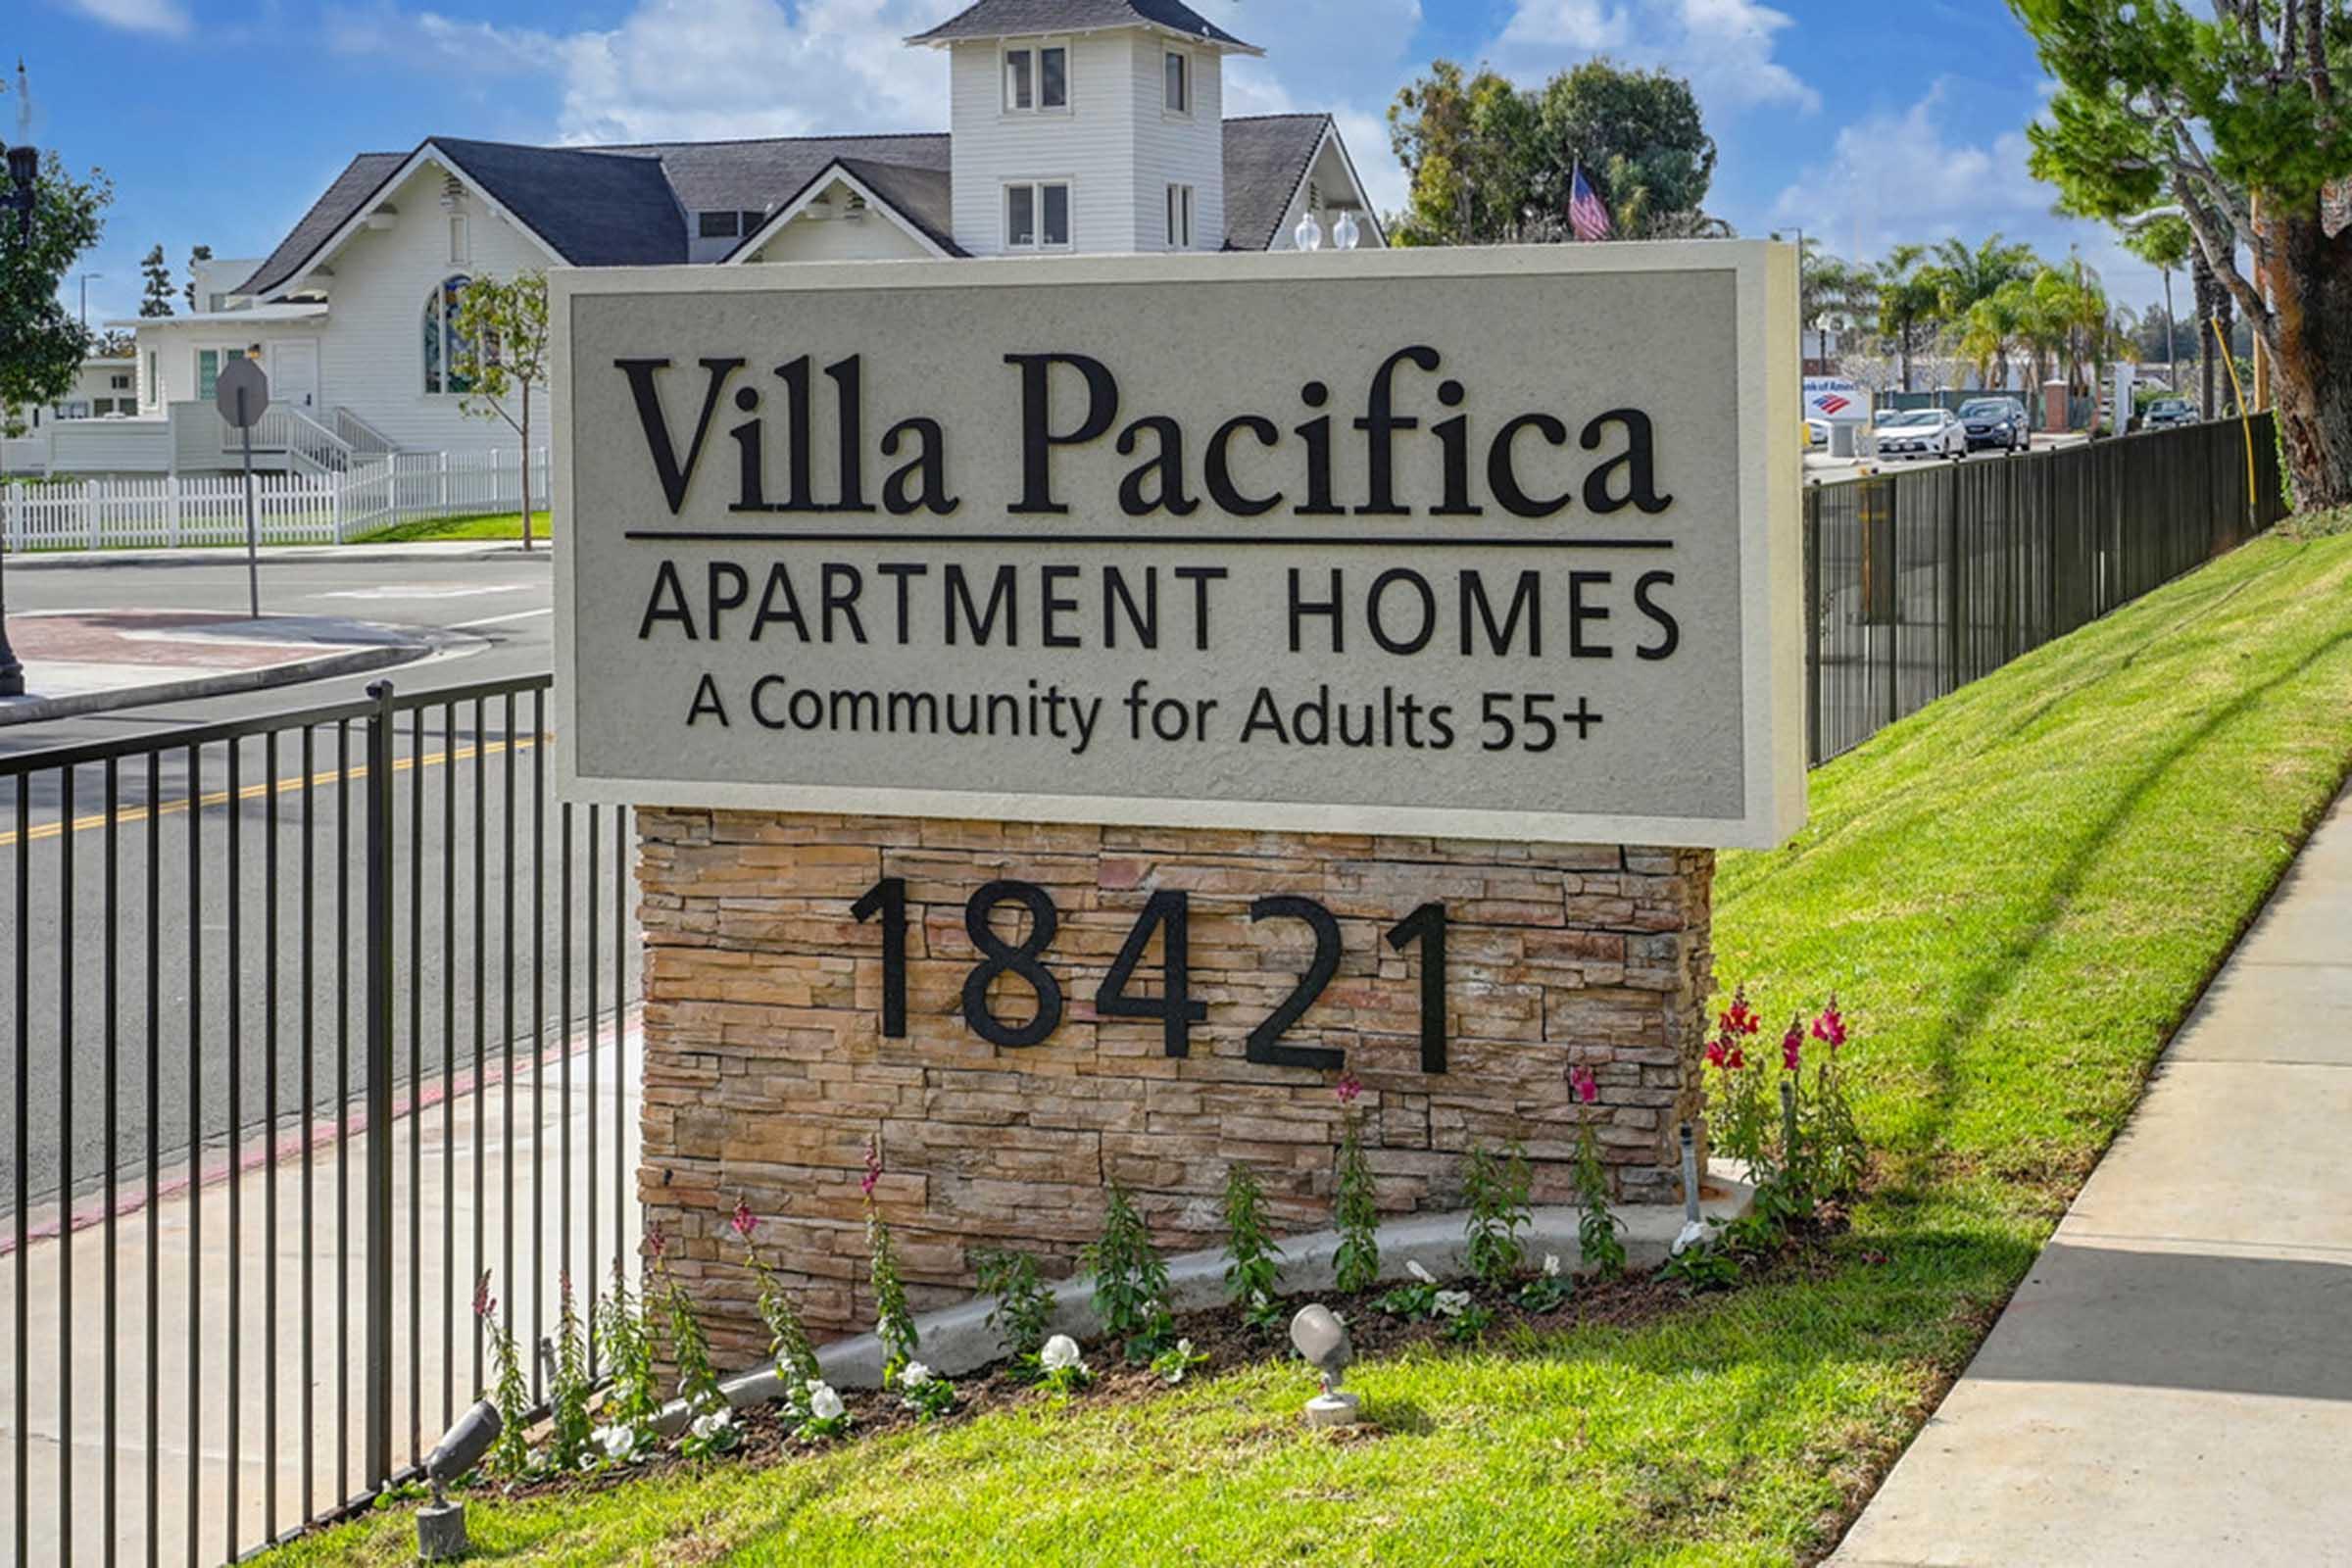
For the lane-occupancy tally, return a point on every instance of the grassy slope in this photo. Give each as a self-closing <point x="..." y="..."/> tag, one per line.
<point x="485" y="525"/>
<point x="2018" y="894"/>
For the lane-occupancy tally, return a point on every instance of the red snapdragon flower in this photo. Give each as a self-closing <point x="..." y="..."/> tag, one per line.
<point x="742" y="1222"/>
<point x="1739" y="1060"/>
<point x="1718" y="1054"/>
<point x="484" y="1304"/>
<point x="1740" y="1019"/>
<point x="1586" y="1086"/>
<point x="1830" y="1027"/>
<point x="656" y="1244"/>
<point x="873" y="1167"/>
<point x="1792" y="1045"/>
<point x="1347" y="1088"/>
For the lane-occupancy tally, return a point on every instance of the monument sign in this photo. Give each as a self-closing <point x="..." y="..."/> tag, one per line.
<point x="1081" y="706"/>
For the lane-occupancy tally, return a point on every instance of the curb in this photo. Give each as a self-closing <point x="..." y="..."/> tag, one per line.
<point x="957" y="1340"/>
<point x="358" y="662"/>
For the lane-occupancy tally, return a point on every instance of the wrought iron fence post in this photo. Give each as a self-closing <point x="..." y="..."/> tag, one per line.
<point x="377" y="1368"/>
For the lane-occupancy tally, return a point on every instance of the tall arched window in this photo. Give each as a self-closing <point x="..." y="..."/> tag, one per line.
<point x="441" y="341"/>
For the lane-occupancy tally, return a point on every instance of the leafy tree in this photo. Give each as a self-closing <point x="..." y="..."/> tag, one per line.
<point x="1831" y="289"/>
<point x="1465" y="142"/>
<point x="502" y="354"/>
<point x="1994" y="326"/>
<point x="1490" y="162"/>
<point x="154" y="297"/>
<point x="1910" y="301"/>
<point x="1638" y="135"/>
<point x="2230" y="108"/>
<point x="41" y="344"/>
<point x="202" y="253"/>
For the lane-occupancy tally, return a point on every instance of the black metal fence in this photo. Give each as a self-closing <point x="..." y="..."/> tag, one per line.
<point x="314" y="1019"/>
<point x="1920" y="581"/>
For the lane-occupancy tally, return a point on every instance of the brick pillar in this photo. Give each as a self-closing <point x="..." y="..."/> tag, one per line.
<point x="766" y="1071"/>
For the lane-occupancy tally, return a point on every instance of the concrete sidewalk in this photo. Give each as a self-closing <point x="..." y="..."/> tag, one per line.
<point x="276" y="1488"/>
<point x="2172" y="1384"/>
<point x="83" y="662"/>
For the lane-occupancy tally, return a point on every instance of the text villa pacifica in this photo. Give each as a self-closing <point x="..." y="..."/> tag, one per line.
<point x="1065" y="745"/>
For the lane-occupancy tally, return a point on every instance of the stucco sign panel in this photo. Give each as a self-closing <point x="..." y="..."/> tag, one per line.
<point x="1483" y="544"/>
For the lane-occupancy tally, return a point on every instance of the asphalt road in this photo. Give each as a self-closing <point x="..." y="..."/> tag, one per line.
<point x="210" y="967"/>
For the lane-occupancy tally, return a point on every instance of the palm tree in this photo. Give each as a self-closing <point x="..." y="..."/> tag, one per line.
<point x="1993" y="326"/>
<point x="1910" y="296"/>
<point x="2162" y="241"/>
<point x="1967" y="275"/>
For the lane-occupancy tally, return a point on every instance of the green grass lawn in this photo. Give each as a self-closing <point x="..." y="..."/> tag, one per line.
<point x="2017" y="894"/>
<point x="487" y="526"/>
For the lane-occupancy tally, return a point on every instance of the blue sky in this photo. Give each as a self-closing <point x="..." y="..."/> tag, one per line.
<point x="1865" y="122"/>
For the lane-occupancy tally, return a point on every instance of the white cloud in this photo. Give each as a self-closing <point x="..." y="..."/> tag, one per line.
<point x="166" y="17"/>
<point x="1895" y="176"/>
<point x="1725" y="47"/>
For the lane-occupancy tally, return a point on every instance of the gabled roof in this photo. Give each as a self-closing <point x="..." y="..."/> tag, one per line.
<point x="1023" y="18"/>
<point x="327" y="214"/>
<point x="1266" y="157"/>
<point x="920" y="199"/>
<point x="629" y="205"/>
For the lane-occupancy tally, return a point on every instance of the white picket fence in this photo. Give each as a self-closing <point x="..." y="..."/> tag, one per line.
<point x="290" y="508"/>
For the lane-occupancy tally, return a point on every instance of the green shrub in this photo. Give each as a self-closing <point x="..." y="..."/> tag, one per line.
<point x="1497" y="1191"/>
<point x="1131" y="1280"/>
<point x="1355" y="1208"/>
<point x="1252" y="1262"/>
<point x="1023" y="1304"/>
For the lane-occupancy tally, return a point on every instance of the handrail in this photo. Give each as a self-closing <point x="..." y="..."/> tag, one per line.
<point x="361" y="436"/>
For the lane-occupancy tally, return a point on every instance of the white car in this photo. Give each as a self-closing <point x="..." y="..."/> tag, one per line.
<point x="1921" y="433"/>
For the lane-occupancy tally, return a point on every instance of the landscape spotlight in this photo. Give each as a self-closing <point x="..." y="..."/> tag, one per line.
<point x="441" y="1522"/>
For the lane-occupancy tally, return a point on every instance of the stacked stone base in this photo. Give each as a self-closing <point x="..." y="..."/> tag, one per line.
<point x="767" y="1070"/>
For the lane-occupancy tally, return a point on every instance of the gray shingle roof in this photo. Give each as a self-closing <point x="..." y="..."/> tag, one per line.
<point x="1022" y="18"/>
<point x="1265" y="158"/>
<point x="327" y="214"/>
<point x="626" y="204"/>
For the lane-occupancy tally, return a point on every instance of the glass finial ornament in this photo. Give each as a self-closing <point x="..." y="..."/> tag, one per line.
<point x="1344" y="234"/>
<point x="1308" y="236"/>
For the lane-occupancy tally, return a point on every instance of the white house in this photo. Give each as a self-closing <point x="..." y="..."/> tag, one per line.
<point x="1076" y="126"/>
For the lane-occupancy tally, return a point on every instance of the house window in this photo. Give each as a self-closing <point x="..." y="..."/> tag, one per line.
<point x="208" y="370"/>
<point x="1179" y="71"/>
<point x="752" y="222"/>
<point x="720" y="226"/>
<point x="1037" y="78"/>
<point x="441" y="341"/>
<point x="155" y="387"/>
<point x="1180" y="217"/>
<point x="1037" y="217"/>
<point x="120" y="383"/>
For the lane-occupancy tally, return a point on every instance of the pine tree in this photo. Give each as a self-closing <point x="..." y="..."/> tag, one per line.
<point x="154" y="299"/>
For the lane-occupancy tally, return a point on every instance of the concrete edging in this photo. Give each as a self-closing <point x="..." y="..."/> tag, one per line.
<point x="357" y="662"/>
<point x="957" y="1340"/>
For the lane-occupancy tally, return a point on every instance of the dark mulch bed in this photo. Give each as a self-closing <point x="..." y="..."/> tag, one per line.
<point x="1226" y="1337"/>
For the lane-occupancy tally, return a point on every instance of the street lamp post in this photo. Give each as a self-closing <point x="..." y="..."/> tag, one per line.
<point x="24" y="172"/>
<point x="85" y="297"/>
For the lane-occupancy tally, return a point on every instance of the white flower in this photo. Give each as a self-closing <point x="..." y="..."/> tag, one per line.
<point x="1258" y="1299"/>
<point x="1551" y="1265"/>
<point x="913" y="1375"/>
<point x="1183" y="1347"/>
<point x="618" y="1441"/>
<point x="711" y="1426"/>
<point x="1061" y="1351"/>
<point x="1453" y="1304"/>
<point x="823" y="1403"/>
<point x="1413" y="1267"/>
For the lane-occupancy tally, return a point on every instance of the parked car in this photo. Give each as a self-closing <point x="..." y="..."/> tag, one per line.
<point x="2164" y="413"/>
<point x="1995" y="423"/>
<point x="1920" y="433"/>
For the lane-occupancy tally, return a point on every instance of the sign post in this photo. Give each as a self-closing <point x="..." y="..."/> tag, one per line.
<point x="242" y="394"/>
<point x="1080" y="712"/>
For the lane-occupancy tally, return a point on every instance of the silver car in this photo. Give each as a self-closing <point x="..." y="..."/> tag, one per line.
<point x="1920" y="433"/>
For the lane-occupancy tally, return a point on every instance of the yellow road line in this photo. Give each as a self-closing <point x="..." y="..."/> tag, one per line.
<point x="96" y="821"/>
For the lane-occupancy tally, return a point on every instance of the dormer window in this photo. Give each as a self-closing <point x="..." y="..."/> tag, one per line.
<point x="1178" y="71"/>
<point x="1037" y="216"/>
<point x="1037" y="78"/>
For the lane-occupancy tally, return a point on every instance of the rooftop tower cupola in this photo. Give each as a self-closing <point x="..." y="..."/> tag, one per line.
<point x="1086" y="126"/>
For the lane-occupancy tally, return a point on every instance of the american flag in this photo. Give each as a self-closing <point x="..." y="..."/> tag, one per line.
<point x="1587" y="213"/>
